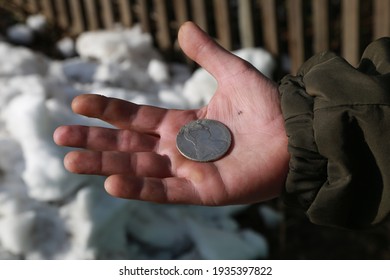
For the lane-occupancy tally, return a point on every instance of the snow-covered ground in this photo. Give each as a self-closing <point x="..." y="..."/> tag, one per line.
<point x="49" y="213"/>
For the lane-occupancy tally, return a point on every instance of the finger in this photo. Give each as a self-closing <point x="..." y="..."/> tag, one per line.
<point x="201" y="48"/>
<point x="109" y="163"/>
<point x="104" y="139"/>
<point x="166" y="190"/>
<point x="120" y="113"/>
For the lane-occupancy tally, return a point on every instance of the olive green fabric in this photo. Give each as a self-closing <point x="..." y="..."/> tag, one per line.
<point x="337" y="120"/>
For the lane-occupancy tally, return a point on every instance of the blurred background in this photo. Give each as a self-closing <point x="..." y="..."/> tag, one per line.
<point x="53" y="50"/>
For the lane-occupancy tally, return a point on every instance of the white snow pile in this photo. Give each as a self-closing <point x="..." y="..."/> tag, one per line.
<point x="49" y="213"/>
<point x="24" y="33"/>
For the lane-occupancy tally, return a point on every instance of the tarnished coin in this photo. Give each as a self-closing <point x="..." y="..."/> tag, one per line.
<point x="203" y="140"/>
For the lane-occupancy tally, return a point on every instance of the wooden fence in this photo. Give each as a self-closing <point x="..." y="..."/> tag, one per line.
<point x="294" y="28"/>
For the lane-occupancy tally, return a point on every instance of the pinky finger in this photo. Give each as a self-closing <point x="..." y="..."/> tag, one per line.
<point x="167" y="190"/>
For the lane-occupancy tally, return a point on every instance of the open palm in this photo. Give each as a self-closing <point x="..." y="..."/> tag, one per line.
<point x="140" y="158"/>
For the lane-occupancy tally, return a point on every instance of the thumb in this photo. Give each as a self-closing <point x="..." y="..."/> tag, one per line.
<point x="202" y="49"/>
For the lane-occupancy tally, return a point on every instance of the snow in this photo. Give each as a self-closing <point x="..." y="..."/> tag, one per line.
<point x="66" y="47"/>
<point x="47" y="212"/>
<point x="24" y="33"/>
<point x="19" y="61"/>
<point x="37" y="22"/>
<point x="20" y="34"/>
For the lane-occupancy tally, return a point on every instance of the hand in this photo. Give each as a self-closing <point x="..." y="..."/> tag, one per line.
<point x="140" y="157"/>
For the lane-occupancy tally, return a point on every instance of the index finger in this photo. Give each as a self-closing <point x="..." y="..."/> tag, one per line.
<point x="120" y="113"/>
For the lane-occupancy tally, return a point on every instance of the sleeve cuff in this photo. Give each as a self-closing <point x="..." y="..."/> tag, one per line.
<point x="337" y="119"/>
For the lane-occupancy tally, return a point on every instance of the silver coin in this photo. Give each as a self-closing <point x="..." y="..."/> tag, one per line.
<point x="203" y="140"/>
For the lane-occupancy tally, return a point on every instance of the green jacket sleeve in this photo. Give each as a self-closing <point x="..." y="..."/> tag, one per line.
<point x="337" y="119"/>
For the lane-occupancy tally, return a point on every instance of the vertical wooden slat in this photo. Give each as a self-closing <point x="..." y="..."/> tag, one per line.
<point x="295" y="33"/>
<point x="107" y="13"/>
<point x="181" y="15"/>
<point x="17" y="2"/>
<point x="143" y="12"/>
<point x="62" y="14"/>
<point x="125" y="13"/>
<point x="92" y="17"/>
<point x="163" y="35"/>
<point x="223" y="25"/>
<point x="245" y="21"/>
<point x="180" y="7"/>
<point x="199" y="13"/>
<point x="381" y="18"/>
<point x="48" y="10"/>
<point x="321" y="25"/>
<point x="76" y="16"/>
<point x="269" y="24"/>
<point x="350" y="31"/>
<point x="32" y="6"/>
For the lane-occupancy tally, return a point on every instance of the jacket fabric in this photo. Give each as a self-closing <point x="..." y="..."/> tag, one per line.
<point x="337" y="119"/>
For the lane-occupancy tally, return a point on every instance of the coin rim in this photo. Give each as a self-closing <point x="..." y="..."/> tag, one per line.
<point x="200" y="120"/>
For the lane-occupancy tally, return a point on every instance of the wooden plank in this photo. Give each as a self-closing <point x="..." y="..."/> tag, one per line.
<point x="143" y="11"/>
<point x="92" y="17"/>
<point x="107" y="13"/>
<point x="199" y="13"/>
<point x="62" y="14"/>
<point x="48" y="10"/>
<point x="125" y="13"/>
<point x="269" y="24"/>
<point x="31" y="5"/>
<point x="381" y="18"/>
<point x="77" y="25"/>
<point x="163" y="35"/>
<point x="320" y="25"/>
<point x="223" y="25"/>
<point x="295" y="34"/>
<point x="350" y="31"/>
<point x="180" y="8"/>
<point x="245" y="22"/>
<point x="17" y="2"/>
<point x="181" y="16"/>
